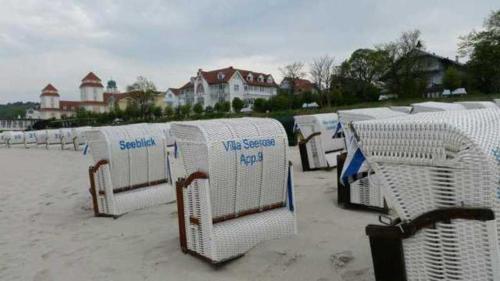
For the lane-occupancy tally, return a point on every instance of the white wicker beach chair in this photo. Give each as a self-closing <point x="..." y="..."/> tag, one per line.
<point x="440" y="172"/>
<point x="319" y="143"/>
<point x="131" y="169"/>
<point x="67" y="137"/>
<point x="79" y="136"/>
<point x="478" y="104"/>
<point x="432" y="106"/>
<point x="167" y="130"/>
<point x="14" y="138"/>
<point x="2" y="138"/>
<point x="41" y="137"/>
<point x="357" y="185"/>
<point x="238" y="189"/>
<point x="53" y="138"/>
<point x="29" y="139"/>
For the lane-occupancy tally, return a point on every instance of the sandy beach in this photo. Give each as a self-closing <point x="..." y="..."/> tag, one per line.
<point x="48" y="231"/>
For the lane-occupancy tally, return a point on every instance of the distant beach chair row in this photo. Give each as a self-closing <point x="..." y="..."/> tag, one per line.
<point x="64" y="137"/>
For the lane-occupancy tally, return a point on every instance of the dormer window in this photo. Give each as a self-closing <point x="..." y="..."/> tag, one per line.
<point x="250" y="77"/>
<point x="269" y="79"/>
<point x="220" y="76"/>
<point x="261" y="78"/>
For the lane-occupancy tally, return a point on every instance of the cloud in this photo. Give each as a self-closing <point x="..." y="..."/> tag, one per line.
<point x="167" y="41"/>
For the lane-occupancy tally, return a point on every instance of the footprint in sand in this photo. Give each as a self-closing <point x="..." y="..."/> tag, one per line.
<point x="359" y="275"/>
<point x="43" y="275"/>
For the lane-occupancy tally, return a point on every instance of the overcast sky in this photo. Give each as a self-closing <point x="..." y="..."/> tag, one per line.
<point x="167" y="41"/>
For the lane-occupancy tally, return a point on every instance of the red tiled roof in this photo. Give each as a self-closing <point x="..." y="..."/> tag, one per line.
<point x="91" y="80"/>
<point x="49" y="87"/>
<point x="187" y="85"/>
<point x="107" y="97"/>
<point x="69" y="105"/>
<point x="213" y="76"/>
<point x="90" y="102"/>
<point x="49" y="90"/>
<point x="91" y="84"/>
<point x="175" y="91"/>
<point x="91" y="76"/>
<point x="303" y="85"/>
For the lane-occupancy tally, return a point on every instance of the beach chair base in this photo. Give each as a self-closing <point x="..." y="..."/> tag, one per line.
<point x="386" y="241"/>
<point x="344" y="192"/>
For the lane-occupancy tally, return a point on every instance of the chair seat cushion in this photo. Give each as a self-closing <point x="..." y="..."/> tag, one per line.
<point x="143" y="197"/>
<point x="237" y="236"/>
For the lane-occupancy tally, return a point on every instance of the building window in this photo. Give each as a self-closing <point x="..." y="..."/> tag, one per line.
<point x="236" y="88"/>
<point x="245" y="87"/>
<point x="95" y="93"/>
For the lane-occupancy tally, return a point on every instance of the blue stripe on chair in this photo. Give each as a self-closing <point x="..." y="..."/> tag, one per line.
<point x="289" y="190"/>
<point x="353" y="167"/>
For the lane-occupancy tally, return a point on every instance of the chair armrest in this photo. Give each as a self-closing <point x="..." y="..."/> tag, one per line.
<point x="386" y="241"/>
<point x="182" y="184"/>
<point x="306" y="140"/>
<point x="93" y="187"/>
<point x="429" y="219"/>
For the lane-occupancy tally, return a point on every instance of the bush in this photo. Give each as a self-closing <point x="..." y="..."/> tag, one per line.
<point x="223" y="106"/>
<point x="209" y="109"/>
<point x="168" y="111"/>
<point x="185" y="110"/>
<point x="260" y="105"/>
<point x="238" y="104"/>
<point x="198" y="108"/>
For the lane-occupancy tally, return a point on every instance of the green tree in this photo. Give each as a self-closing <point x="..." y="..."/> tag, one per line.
<point x="483" y="47"/>
<point x="198" y="108"/>
<point x="238" y="104"/>
<point x="278" y="102"/>
<point x="132" y="111"/>
<point x="157" y="111"/>
<point x="209" y="109"/>
<point x="143" y="92"/>
<point x="452" y="79"/>
<point x="168" y="111"/>
<point x="403" y="56"/>
<point x="185" y="110"/>
<point x="222" y="107"/>
<point x="260" y="105"/>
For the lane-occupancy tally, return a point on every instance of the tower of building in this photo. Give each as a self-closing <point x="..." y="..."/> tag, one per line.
<point x="91" y="88"/>
<point x="49" y="103"/>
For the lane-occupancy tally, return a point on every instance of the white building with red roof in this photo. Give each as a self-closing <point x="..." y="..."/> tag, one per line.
<point x="210" y="87"/>
<point x="93" y="98"/>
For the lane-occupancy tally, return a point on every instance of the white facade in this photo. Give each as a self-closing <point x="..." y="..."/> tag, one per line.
<point x="172" y="98"/>
<point x="209" y="88"/>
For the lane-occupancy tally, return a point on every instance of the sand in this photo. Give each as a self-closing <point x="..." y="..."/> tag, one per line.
<point x="48" y="232"/>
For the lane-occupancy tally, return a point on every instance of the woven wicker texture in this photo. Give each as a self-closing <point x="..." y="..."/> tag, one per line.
<point x="53" y="137"/>
<point x="166" y="128"/>
<point x="478" y="104"/>
<point x="79" y="136"/>
<point x="137" y="155"/>
<point x="437" y="160"/>
<point x="29" y="139"/>
<point x="318" y="146"/>
<point x="432" y="106"/>
<point x="41" y="136"/>
<point x="14" y="137"/>
<point x="247" y="163"/>
<point x="365" y="191"/>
